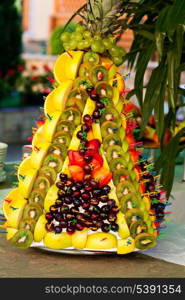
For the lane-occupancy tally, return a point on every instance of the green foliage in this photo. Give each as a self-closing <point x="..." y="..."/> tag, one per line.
<point x="55" y="40"/>
<point x="159" y="28"/>
<point x="10" y="45"/>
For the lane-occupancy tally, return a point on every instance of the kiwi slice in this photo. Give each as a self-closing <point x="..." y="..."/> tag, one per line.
<point x="129" y="201"/>
<point x="138" y="227"/>
<point x="109" y="127"/>
<point x="84" y="70"/>
<point x="117" y="163"/>
<point x="120" y="175"/>
<point x="42" y="182"/>
<point x="111" y="114"/>
<point x="27" y="224"/>
<point x="124" y="188"/>
<point x="75" y="103"/>
<point x="104" y="89"/>
<point x="62" y="137"/>
<point x="37" y="196"/>
<point x="99" y="73"/>
<point x="145" y="241"/>
<point x="49" y="172"/>
<point x="58" y="149"/>
<point x="54" y="161"/>
<point x="79" y="94"/>
<point x="91" y="58"/>
<point x="114" y="152"/>
<point x="82" y="83"/>
<point x="133" y="215"/>
<point x="67" y="126"/>
<point x="110" y="140"/>
<point x="22" y="239"/>
<point x="71" y="114"/>
<point x="32" y="211"/>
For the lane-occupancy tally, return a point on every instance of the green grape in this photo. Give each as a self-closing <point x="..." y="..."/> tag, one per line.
<point x="102" y="49"/>
<point x="87" y="43"/>
<point x="87" y="34"/>
<point x="66" y="46"/>
<point x="80" y="28"/>
<point x="76" y="36"/>
<point x="122" y="51"/>
<point x="107" y="43"/>
<point x="118" y="60"/>
<point x="97" y="37"/>
<point x="112" y="39"/>
<point x="73" y="44"/>
<point x="65" y="36"/>
<point x="114" y="51"/>
<point x="81" y="45"/>
<point x="96" y="46"/>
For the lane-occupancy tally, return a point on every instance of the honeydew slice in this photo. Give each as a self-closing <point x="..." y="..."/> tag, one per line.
<point x="38" y="154"/>
<point x="123" y="231"/>
<point x="51" y="197"/>
<point x="56" y="100"/>
<point x="10" y="198"/>
<point x="67" y="65"/>
<point x="40" y="230"/>
<point x="26" y="181"/>
<point x="57" y="241"/>
<point x="10" y="232"/>
<point x="15" y="212"/>
<point x="101" y="240"/>
<point x="125" y="246"/>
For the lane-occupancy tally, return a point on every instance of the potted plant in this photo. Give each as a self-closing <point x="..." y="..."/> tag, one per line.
<point x="33" y="87"/>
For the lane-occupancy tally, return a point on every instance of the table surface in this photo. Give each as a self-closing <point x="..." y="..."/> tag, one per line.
<point x="36" y="263"/>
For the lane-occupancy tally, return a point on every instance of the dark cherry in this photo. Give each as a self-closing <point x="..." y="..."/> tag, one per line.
<point x="76" y="194"/>
<point x="58" y="229"/>
<point x="63" y="223"/>
<point x="86" y="196"/>
<point x="105" y="209"/>
<point x="97" y="193"/>
<point x="103" y="216"/>
<point x="68" y="200"/>
<point x="105" y="227"/>
<point x="150" y="187"/>
<point x="63" y="177"/>
<point x="93" y="183"/>
<point x="69" y="216"/>
<point x="88" y="187"/>
<point x="49" y="227"/>
<point x="59" y="202"/>
<point x="86" y="205"/>
<point x="114" y="227"/>
<point x="64" y="209"/>
<point x="77" y="202"/>
<point x="79" y="185"/>
<point x="100" y="105"/>
<point x="58" y="217"/>
<point x="49" y="217"/>
<point x="104" y="199"/>
<point x="88" y="223"/>
<point x="96" y="209"/>
<point x="98" y="223"/>
<point x="70" y="230"/>
<point x="112" y="217"/>
<point x="74" y="210"/>
<point x="85" y="128"/>
<point x="111" y="202"/>
<point x="87" y="169"/>
<point x="82" y="152"/>
<point x="106" y="189"/>
<point x="60" y="185"/>
<point x="80" y="135"/>
<point x="84" y="143"/>
<point x="87" y="119"/>
<point x="88" y="158"/>
<point x="80" y="217"/>
<point x="61" y="194"/>
<point x="89" y="89"/>
<point x="94" y="228"/>
<point x="94" y="95"/>
<point x="79" y="227"/>
<point x="96" y="115"/>
<point x="114" y="209"/>
<point x="53" y="208"/>
<point x="94" y="201"/>
<point x="94" y="216"/>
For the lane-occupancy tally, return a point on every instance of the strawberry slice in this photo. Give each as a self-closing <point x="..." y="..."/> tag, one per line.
<point x="93" y="146"/>
<point x="75" y="158"/>
<point x="97" y="161"/>
<point x="102" y="175"/>
<point x="77" y="173"/>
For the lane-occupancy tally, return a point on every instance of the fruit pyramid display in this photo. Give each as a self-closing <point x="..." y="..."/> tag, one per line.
<point x="86" y="184"/>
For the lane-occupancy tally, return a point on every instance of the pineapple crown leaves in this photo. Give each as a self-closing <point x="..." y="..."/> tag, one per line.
<point x="105" y="16"/>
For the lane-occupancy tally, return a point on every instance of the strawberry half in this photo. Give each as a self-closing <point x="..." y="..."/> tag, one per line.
<point x="102" y="175"/>
<point x="75" y="158"/>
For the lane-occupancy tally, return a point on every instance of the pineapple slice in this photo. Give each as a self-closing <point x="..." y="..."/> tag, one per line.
<point x="57" y="241"/>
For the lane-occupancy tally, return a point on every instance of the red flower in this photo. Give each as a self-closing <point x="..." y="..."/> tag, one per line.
<point x="11" y="72"/>
<point x="20" y="67"/>
<point x="33" y="67"/>
<point x="47" y="68"/>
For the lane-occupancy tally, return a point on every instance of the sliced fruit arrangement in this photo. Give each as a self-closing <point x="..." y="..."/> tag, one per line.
<point x="86" y="183"/>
